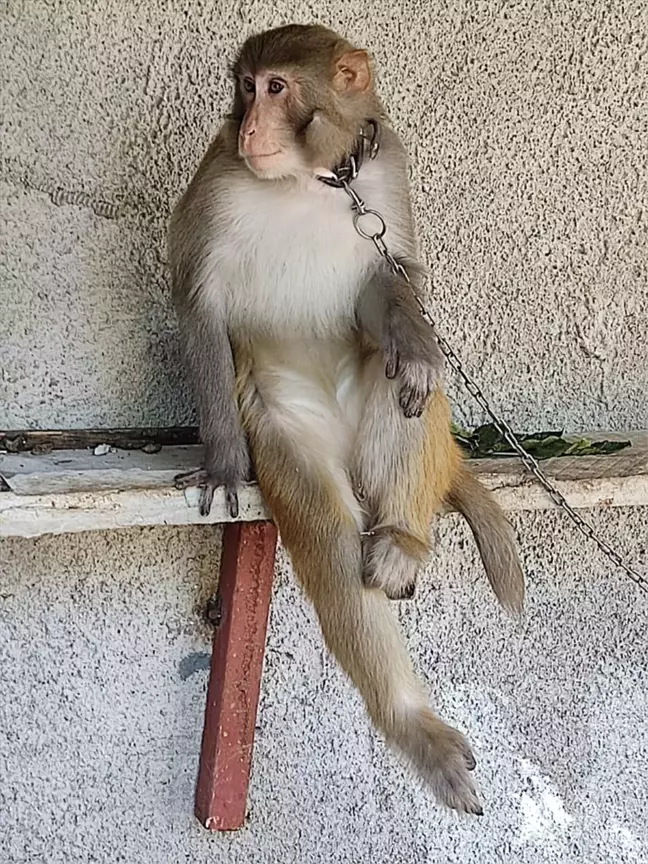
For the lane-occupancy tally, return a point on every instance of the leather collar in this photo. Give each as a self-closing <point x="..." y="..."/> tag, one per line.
<point x="367" y="143"/>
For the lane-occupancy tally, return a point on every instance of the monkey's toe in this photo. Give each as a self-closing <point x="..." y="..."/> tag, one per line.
<point x="392" y="590"/>
<point x="413" y="401"/>
<point x="206" y="499"/>
<point x="207" y="486"/>
<point x="454" y="784"/>
<point x="443" y="759"/>
<point x="408" y="591"/>
<point x="403" y="592"/>
<point x="190" y="479"/>
<point x="391" y="367"/>
<point x="232" y="502"/>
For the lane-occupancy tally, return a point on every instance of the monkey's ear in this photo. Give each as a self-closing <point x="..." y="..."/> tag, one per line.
<point x="352" y="72"/>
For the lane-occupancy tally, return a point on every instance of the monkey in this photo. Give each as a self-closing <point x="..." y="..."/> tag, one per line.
<point x="313" y="367"/>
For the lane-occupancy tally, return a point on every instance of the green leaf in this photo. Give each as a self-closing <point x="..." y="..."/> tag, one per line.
<point x="459" y="431"/>
<point x="539" y="436"/>
<point x="546" y="448"/>
<point x="583" y="447"/>
<point x="485" y="441"/>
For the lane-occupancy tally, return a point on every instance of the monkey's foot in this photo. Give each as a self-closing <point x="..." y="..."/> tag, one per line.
<point x="443" y="758"/>
<point x="208" y="484"/>
<point x="391" y="560"/>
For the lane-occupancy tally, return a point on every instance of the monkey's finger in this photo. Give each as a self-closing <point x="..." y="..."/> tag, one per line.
<point x="206" y="498"/>
<point x="233" y="502"/>
<point x="411" y="401"/>
<point x="406" y="400"/>
<point x="191" y="478"/>
<point x="391" y="366"/>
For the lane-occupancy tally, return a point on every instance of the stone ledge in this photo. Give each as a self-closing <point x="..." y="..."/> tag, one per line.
<point x="74" y="490"/>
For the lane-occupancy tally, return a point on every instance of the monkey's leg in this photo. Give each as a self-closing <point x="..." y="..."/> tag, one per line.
<point x="404" y="467"/>
<point x="312" y="502"/>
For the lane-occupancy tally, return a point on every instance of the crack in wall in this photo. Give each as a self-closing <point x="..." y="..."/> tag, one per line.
<point x="61" y="197"/>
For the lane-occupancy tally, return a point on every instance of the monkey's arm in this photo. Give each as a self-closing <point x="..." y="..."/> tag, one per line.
<point x="389" y="314"/>
<point x="210" y="361"/>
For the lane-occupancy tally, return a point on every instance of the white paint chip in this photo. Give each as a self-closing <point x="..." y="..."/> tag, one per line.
<point x="102" y="449"/>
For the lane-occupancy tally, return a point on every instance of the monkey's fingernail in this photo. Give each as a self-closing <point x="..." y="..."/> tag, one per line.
<point x="390" y="369"/>
<point x="478" y="811"/>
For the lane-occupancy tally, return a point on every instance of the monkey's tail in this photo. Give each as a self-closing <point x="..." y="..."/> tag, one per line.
<point x="494" y="536"/>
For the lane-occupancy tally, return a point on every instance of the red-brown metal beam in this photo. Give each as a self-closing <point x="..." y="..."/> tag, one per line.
<point x="244" y="591"/>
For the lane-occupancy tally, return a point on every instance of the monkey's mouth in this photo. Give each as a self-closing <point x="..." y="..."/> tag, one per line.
<point x="265" y="165"/>
<point x="254" y="157"/>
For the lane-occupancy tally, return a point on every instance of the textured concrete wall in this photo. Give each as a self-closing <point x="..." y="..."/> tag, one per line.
<point x="526" y="123"/>
<point x="102" y="663"/>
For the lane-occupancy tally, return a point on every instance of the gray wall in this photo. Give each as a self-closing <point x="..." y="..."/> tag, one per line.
<point x="101" y="714"/>
<point x="526" y="123"/>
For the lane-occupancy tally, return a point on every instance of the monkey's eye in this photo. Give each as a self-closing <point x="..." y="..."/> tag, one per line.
<point x="248" y="85"/>
<point x="276" y="86"/>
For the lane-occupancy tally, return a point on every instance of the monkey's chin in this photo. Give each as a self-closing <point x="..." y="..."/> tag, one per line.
<point x="275" y="166"/>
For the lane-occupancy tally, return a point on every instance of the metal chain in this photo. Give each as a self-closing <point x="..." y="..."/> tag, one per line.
<point x="342" y="179"/>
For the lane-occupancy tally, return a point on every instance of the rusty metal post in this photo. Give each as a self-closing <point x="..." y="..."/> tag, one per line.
<point x="244" y="591"/>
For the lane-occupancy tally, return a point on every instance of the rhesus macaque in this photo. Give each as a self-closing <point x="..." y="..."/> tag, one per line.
<point x="302" y="343"/>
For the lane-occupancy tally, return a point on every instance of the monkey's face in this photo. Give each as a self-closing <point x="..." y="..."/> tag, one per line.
<point x="302" y="93"/>
<point x="275" y="112"/>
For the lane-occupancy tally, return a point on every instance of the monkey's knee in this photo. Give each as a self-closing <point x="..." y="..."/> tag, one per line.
<point x="391" y="559"/>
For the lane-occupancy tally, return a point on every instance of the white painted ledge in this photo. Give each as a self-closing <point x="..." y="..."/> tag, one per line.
<point x="74" y="490"/>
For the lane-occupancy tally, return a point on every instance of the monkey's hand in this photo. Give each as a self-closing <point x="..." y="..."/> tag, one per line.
<point x="216" y="473"/>
<point x="413" y="355"/>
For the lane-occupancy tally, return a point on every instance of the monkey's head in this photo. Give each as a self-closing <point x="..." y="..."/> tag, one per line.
<point x="302" y="93"/>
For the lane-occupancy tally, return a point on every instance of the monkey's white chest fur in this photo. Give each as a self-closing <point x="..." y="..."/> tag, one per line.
<point x="289" y="257"/>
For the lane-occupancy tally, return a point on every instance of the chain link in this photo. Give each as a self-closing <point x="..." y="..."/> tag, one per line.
<point x="342" y="179"/>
